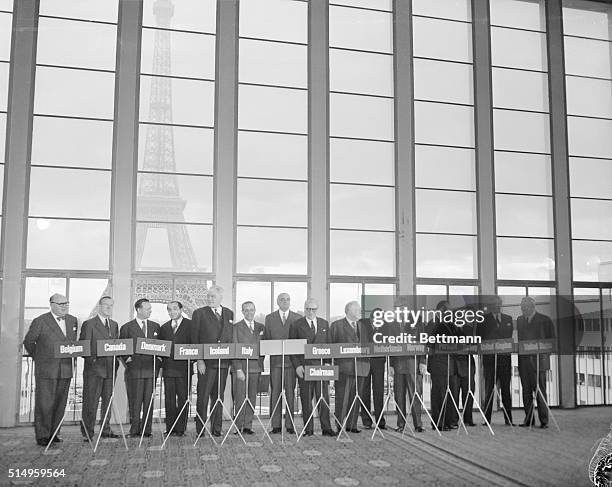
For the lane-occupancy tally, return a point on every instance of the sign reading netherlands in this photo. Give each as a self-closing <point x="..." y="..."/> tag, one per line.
<point x="246" y="350"/>
<point x="73" y="349"/>
<point x="151" y="346"/>
<point x="488" y="347"/>
<point x="108" y="348"/>
<point x="216" y="351"/>
<point x="187" y="351"/>
<point x="531" y="347"/>
<point x="400" y="349"/>
<point x="321" y="372"/>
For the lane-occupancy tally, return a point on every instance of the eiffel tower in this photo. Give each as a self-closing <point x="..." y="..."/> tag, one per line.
<point x="158" y="194"/>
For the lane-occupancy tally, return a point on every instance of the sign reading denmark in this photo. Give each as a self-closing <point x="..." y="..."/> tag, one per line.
<point x="150" y="346"/>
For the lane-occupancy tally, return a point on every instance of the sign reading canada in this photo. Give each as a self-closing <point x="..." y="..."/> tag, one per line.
<point x="150" y="346"/>
<point x="108" y="348"/>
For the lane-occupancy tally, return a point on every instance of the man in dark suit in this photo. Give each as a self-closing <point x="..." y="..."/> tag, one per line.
<point x="277" y="327"/>
<point x="534" y="326"/>
<point x="497" y="326"/>
<point x="350" y="329"/>
<point x="211" y="324"/>
<point x="140" y="376"/>
<point x="98" y="372"/>
<point x="246" y="331"/>
<point x="313" y="330"/>
<point x="52" y="375"/>
<point x="466" y="368"/>
<point x="176" y="372"/>
<point x="443" y="372"/>
<point x="374" y="384"/>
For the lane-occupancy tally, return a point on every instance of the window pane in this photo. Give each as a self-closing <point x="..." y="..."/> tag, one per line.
<point x="590" y="178"/>
<point x="589" y="137"/>
<point x="521" y="131"/>
<point x="435" y="123"/>
<point x="74" y="92"/>
<point x="446" y="9"/>
<point x="520" y="89"/>
<point x="446" y="256"/>
<point x="592" y="97"/>
<point x="170" y="198"/>
<point x="175" y="248"/>
<point x="511" y="170"/>
<point x="190" y="55"/>
<point x="518" y="49"/>
<point x="378" y="203"/>
<point x="6" y="30"/>
<point x="445" y="211"/>
<point x="257" y="292"/>
<point x="341" y="293"/>
<point x="524" y="216"/>
<point x="362" y="253"/>
<point x="192" y="101"/>
<point x="38" y="290"/>
<point x="272" y="251"/>
<point x="273" y="63"/>
<point x="591" y="219"/>
<point x="70" y="142"/>
<point x="442" y="39"/>
<point x="298" y="292"/>
<point x="192" y="147"/>
<point x="592" y="261"/>
<point x="587" y="57"/>
<point x="2" y="136"/>
<point x="281" y="20"/>
<point x="272" y="155"/>
<point x="73" y="193"/>
<point x="375" y="120"/>
<point x="196" y="15"/>
<point x="444" y="167"/>
<point x="586" y="19"/>
<point x="84" y="296"/>
<point x="529" y="14"/>
<point x="375" y="4"/>
<point x="442" y="81"/>
<point x="72" y="43"/>
<point x="4" y="84"/>
<point x="361" y="161"/>
<point x="81" y="9"/>
<point x="277" y="109"/>
<point x="360" y="72"/>
<point x="525" y="258"/>
<point x="360" y="29"/>
<point x="263" y="202"/>
<point x="86" y="249"/>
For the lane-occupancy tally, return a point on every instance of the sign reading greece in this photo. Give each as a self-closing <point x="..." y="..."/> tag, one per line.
<point x="505" y="345"/>
<point x="218" y="351"/>
<point x="108" y="348"/>
<point x="151" y="346"/>
<point x="188" y="351"/>
<point x="246" y="350"/>
<point x="321" y="372"/>
<point x="532" y="347"/>
<point x="73" y="349"/>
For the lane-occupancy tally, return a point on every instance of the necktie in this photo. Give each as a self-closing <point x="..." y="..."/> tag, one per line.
<point x="107" y="326"/>
<point x="354" y="325"/>
<point x="144" y="327"/>
<point x="283" y="317"/>
<point x="498" y="318"/>
<point x="218" y="313"/>
<point x="174" y="326"/>
<point x="60" y="323"/>
<point x="251" y="327"/>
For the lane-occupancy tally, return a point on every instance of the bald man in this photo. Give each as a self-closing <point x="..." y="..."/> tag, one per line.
<point x="52" y="375"/>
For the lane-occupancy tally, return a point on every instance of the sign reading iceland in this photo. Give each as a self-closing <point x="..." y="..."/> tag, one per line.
<point x="321" y="372"/>
<point x="73" y="349"/>
<point x="488" y="347"/>
<point x="246" y="350"/>
<point x="218" y="351"/>
<point x="187" y="351"/>
<point x="150" y="346"/>
<point x="532" y="347"/>
<point x="108" y="348"/>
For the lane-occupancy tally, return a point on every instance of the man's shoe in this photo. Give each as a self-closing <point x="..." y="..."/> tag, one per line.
<point x="419" y="429"/>
<point x="510" y="424"/>
<point x="134" y="435"/>
<point x="42" y="441"/>
<point x="543" y="426"/>
<point x="110" y="435"/>
<point x="179" y="433"/>
<point x="57" y="439"/>
<point x="382" y="427"/>
<point x="147" y="435"/>
<point x="276" y="431"/>
<point x="399" y="429"/>
<point x="309" y="433"/>
<point x="470" y="424"/>
<point x="445" y="428"/>
<point x="216" y="433"/>
<point x="291" y="431"/>
<point x="367" y="426"/>
<point x="453" y="426"/>
<point x="329" y="433"/>
<point x="247" y="431"/>
<point x="355" y="430"/>
<point x="85" y="440"/>
<point x="526" y="425"/>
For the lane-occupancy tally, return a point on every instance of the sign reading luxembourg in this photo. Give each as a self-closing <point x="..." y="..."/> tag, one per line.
<point x="151" y="346"/>
<point x="321" y="372"/>
<point x="117" y="346"/>
<point x="188" y="351"/>
<point x="80" y="348"/>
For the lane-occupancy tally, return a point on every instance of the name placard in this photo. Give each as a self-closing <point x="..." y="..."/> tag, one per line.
<point x="218" y="350"/>
<point x="294" y="346"/>
<point x="321" y="372"/>
<point x="117" y="346"/>
<point x="415" y="349"/>
<point x="246" y="350"/>
<point x="531" y="347"/>
<point x="79" y="348"/>
<point x="385" y="350"/>
<point x="188" y="351"/>
<point x="488" y="347"/>
<point x="321" y="350"/>
<point x="151" y="346"/>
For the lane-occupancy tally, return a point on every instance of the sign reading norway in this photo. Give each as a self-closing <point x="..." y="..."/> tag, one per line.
<point x="321" y="372"/>
<point x="188" y="351"/>
<point x="108" y="348"/>
<point x="151" y="346"/>
<point x="73" y="349"/>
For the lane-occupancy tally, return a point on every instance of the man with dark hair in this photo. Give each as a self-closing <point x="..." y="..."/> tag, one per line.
<point x="98" y="372"/>
<point x="53" y="375"/>
<point x="175" y="372"/>
<point x="140" y="374"/>
<point x="374" y="383"/>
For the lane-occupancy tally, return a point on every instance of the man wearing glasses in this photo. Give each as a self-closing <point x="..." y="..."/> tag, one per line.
<point x="52" y="375"/>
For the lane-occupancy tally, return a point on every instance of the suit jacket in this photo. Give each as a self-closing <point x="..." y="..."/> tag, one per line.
<point x="369" y="328"/>
<point x="461" y="361"/>
<point x="40" y="341"/>
<point x="342" y="332"/>
<point x="93" y="330"/>
<point x="275" y="330"/>
<point x="300" y="329"/>
<point x="141" y="366"/>
<point x="171" y="367"/>
<point x="207" y="328"/>
<point x="403" y="364"/>
<point x="540" y="328"/>
<point x="439" y="364"/>
<point x="490" y="329"/>
<point x="242" y="334"/>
